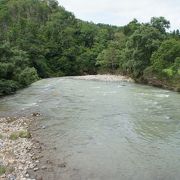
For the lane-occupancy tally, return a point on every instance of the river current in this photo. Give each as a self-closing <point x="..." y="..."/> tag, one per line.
<point x="104" y="130"/>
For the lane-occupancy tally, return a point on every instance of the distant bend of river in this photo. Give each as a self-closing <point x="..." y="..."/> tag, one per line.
<point x="104" y="130"/>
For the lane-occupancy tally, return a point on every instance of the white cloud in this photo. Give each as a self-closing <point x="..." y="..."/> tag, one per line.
<point x="120" y="12"/>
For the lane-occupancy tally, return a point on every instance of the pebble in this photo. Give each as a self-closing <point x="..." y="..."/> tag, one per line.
<point x="36" y="114"/>
<point x="27" y="175"/>
<point x="11" y="177"/>
<point x="43" y="167"/>
<point x="1" y="144"/>
<point x="63" y="165"/>
<point x="36" y="169"/>
<point x="3" y="176"/>
<point x="23" y="162"/>
<point x="39" y="178"/>
<point x="43" y="127"/>
<point x="20" y="168"/>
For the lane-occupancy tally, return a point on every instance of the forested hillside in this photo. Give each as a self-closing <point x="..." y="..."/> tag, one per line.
<point x="40" y="39"/>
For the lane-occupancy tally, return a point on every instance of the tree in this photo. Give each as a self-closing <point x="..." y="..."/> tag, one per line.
<point x="139" y="48"/>
<point x="108" y="59"/>
<point x="166" y="58"/>
<point x="160" y="23"/>
<point x="130" y="28"/>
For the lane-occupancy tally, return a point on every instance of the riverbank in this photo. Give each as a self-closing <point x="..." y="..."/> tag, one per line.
<point x="16" y="148"/>
<point x="171" y="84"/>
<point x="151" y="82"/>
<point x="105" y="77"/>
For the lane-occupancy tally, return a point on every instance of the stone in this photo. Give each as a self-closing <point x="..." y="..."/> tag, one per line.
<point x="43" y="127"/>
<point x="3" y="176"/>
<point x="11" y="177"/>
<point x="63" y="165"/>
<point x="36" y="169"/>
<point x="27" y="175"/>
<point x="36" y="114"/>
<point x="1" y="144"/>
<point x="39" y="178"/>
<point x="20" y="168"/>
<point x="43" y="167"/>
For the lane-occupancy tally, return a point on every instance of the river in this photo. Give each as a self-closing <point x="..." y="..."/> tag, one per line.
<point x="103" y="130"/>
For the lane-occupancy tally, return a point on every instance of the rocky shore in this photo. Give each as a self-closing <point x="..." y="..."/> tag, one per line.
<point x="16" y="149"/>
<point x="106" y="77"/>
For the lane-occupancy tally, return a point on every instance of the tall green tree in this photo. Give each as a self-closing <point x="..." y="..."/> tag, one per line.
<point x="136" y="56"/>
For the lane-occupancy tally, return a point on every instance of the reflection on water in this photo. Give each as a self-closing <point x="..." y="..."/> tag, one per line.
<point x="105" y="130"/>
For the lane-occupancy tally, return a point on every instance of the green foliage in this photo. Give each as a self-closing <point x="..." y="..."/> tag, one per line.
<point x="160" y="23"/>
<point x="27" y="76"/>
<point x="135" y="58"/>
<point x="108" y="59"/>
<point x="8" y="86"/>
<point x="130" y="28"/>
<point x="167" y="58"/>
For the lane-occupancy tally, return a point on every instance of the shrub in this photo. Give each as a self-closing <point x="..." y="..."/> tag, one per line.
<point x="28" y="76"/>
<point x="8" y="87"/>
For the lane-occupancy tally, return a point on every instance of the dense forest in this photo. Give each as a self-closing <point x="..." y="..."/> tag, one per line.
<point x="40" y="39"/>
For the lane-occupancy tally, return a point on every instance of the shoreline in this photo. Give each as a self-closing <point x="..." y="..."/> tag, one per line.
<point x="120" y="78"/>
<point x="105" y="77"/>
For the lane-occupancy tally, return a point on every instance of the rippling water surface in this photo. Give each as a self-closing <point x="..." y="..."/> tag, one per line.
<point x="105" y="130"/>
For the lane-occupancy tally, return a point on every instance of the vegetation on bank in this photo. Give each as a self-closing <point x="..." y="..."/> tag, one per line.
<point x="40" y="39"/>
<point x="20" y="134"/>
<point x="2" y="170"/>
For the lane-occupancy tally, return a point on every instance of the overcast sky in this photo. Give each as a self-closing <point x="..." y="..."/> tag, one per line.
<point x="120" y="12"/>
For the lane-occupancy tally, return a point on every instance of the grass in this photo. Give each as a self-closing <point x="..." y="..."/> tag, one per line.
<point x="2" y="170"/>
<point x="20" y="134"/>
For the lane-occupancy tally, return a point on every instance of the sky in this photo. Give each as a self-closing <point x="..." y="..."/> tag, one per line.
<point x="121" y="12"/>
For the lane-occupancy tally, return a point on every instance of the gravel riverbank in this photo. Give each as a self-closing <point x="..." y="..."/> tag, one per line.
<point x="16" y="149"/>
<point x="106" y="77"/>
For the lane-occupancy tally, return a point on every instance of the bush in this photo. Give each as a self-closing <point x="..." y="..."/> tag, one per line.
<point x="28" y="76"/>
<point x="8" y="87"/>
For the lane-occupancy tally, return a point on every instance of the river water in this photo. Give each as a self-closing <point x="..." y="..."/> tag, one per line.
<point x="104" y="130"/>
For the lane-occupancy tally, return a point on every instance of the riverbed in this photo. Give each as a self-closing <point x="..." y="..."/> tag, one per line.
<point x="102" y="130"/>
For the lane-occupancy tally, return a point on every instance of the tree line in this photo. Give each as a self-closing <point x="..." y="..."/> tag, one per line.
<point x="146" y="52"/>
<point x="40" y="39"/>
